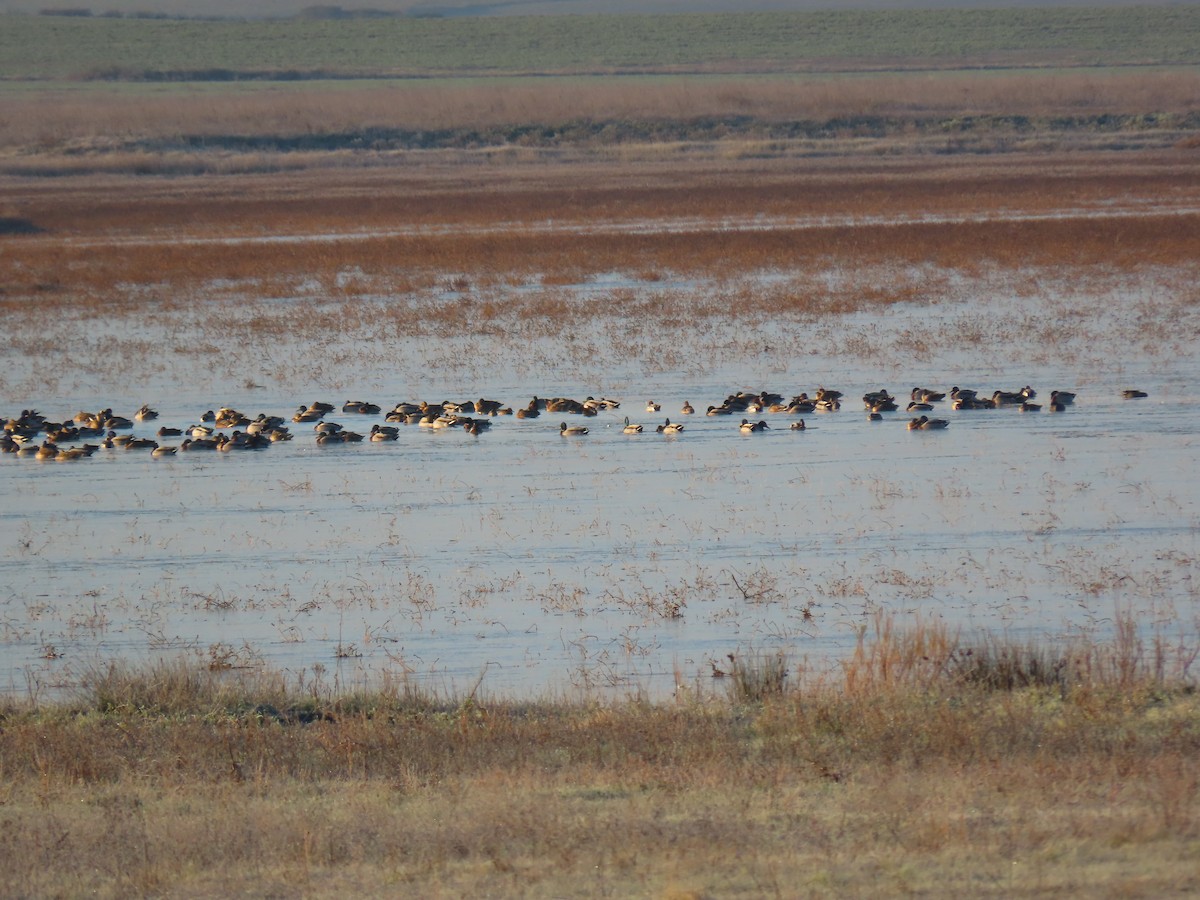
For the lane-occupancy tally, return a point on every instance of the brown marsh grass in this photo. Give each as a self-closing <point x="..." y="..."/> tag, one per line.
<point x="101" y="119"/>
<point x="131" y="242"/>
<point x="901" y="774"/>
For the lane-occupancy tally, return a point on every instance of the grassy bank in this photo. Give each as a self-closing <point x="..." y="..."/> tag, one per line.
<point x="56" y="47"/>
<point x="925" y="764"/>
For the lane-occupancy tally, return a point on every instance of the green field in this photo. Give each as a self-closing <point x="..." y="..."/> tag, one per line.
<point x="57" y="48"/>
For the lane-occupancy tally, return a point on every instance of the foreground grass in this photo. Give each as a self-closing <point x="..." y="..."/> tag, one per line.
<point x="922" y="767"/>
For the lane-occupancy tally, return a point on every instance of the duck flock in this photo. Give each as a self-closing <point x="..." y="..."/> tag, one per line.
<point x="32" y="434"/>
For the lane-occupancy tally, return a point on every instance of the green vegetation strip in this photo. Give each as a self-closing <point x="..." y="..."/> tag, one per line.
<point x="46" y="47"/>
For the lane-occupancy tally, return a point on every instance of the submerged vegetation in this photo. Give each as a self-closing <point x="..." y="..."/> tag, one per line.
<point x="183" y="780"/>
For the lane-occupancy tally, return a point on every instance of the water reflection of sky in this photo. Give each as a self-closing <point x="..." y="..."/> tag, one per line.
<point x="609" y="560"/>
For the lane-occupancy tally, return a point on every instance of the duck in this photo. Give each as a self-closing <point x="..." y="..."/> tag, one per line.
<point x="652" y="407"/>
<point x="169" y="432"/>
<point x="47" y="451"/>
<point x="1008" y="398"/>
<point x="384" y="433"/>
<point x="631" y="427"/>
<point x="571" y="430"/>
<point x="160" y="452"/>
<point x="748" y="427"/>
<point x="190" y="444"/>
<point x="1133" y="394"/>
<point x="488" y="407"/>
<point x="362" y="407"/>
<point x="1066" y="398"/>
<point x="306" y="414"/>
<point x="528" y="412"/>
<point x="200" y="431"/>
<point x="1056" y="406"/>
<point x="145" y="414"/>
<point x="924" y="423"/>
<point x="141" y="444"/>
<point x="669" y="427"/>
<point x="924" y="395"/>
<point x="1032" y="407"/>
<point x="475" y="427"/>
<point x="687" y="409"/>
<point x="719" y="411"/>
<point x="873" y="416"/>
<point x="798" y="425"/>
<point x="957" y="393"/>
<point x="324" y="427"/>
<point x="918" y="406"/>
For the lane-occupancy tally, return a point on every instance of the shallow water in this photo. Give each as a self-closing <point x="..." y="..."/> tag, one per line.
<point x="538" y="563"/>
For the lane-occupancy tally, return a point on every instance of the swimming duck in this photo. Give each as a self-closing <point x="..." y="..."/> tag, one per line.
<point x="748" y="427"/>
<point x="669" y="427"/>
<point x="190" y="444"/>
<point x="384" y="433"/>
<point x="798" y="425"/>
<point x="571" y="430"/>
<point x="145" y="414"/>
<point x="170" y="432"/>
<point x="1032" y="407"/>
<point x="919" y="406"/>
<point x="924" y="395"/>
<point x="924" y="423"/>
<point x="688" y="409"/>
<point x="957" y="393"/>
<point x="652" y="407"/>
<point x="1066" y="398"/>
<point x="631" y="427"/>
<point x="719" y="411"/>
<point x="361" y="407"/>
<point x="160" y="452"/>
<point x="1008" y="398"/>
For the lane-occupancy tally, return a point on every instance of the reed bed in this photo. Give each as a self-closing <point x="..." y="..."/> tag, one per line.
<point x="173" y="779"/>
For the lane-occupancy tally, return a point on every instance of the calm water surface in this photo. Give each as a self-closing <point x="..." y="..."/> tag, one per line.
<point x="607" y="562"/>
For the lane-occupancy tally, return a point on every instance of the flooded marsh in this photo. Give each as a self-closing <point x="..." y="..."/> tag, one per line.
<point x="522" y="561"/>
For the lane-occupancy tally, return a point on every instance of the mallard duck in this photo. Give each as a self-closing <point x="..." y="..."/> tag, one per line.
<point x="719" y="411"/>
<point x="571" y="430"/>
<point x="652" y="407"/>
<point x="1066" y="398"/>
<point x="924" y="423"/>
<point x="924" y="395"/>
<point x="1008" y="398"/>
<point x="1031" y="407"/>
<point x="160" y="452"/>
<point x="631" y="427"/>
<point x="361" y="407"/>
<point x="145" y="414"/>
<point x="957" y="393"/>
<point x="384" y="433"/>
<point x="669" y="427"/>
<point x="919" y="406"/>
<point x="748" y="427"/>
<point x="798" y="425"/>
<point x="190" y="444"/>
<point x="688" y="409"/>
<point x="170" y="432"/>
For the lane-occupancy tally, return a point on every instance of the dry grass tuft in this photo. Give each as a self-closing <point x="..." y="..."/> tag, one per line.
<point x="173" y="775"/>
